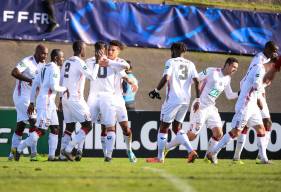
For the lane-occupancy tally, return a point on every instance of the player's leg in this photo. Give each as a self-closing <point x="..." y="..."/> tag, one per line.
<point x="53" y="141"/>
<point x="122" y="118"/>
<point x="33" y="148"/>
<point x="241" y="140"/>
<point x="66" y="138"/>
<point x="103" y="139"/>
<point x="16" y="138"/>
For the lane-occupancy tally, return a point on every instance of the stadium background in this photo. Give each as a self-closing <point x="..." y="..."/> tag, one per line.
<point x="148" y="66"/>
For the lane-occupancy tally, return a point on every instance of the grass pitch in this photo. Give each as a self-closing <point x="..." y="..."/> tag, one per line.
<point x="92" y="174"/>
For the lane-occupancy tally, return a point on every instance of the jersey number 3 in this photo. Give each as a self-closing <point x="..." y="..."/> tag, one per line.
<point x="183" y="72"/>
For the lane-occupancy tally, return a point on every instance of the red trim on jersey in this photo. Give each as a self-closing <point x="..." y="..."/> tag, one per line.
<point x="169" y="89"/>
<point x="245" y="130"/>
<point x="203" y="86"/>
<point x="49" y="95"/>
<point x="19" y="88"/>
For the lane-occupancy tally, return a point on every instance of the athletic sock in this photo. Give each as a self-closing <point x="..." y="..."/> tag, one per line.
<point x="16" y="139"/>
<point x="222" y="143"/>
<point x="241" y="140"/>
<point x="65" y="141"/>
<point x="53" y="144"/>
<point x="128" y="141"/>
<point x="103" y="144"/>
<point x="29" y="141"/>
<point x="79" y="137"/>
<point x="161" y="143"/>
<point x="212" y="143"/>
<point x="110" y="142"/>
<point x="262" y="147"/>
<point x="267" y="136"/>
<point x="182" y="138"/>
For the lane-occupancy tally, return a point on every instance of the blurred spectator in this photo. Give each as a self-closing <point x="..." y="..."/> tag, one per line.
<point x="48" y="5"/>
<point x="129" y="95"/>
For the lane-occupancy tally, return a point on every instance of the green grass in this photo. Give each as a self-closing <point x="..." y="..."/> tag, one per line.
<point x="92" y="174"/>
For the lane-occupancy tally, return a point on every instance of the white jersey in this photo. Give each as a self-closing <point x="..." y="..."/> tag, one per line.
<point x="106" y="76"/>
<point x="48" y="82"/>
<point x="29" y="68"/>
<point x="250" y="87"/>
<point x="73" y="74"/>
<point x="214" y="82"/>
<point x="181" y="72"/>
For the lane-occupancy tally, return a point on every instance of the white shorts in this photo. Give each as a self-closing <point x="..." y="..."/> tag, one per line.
<point x="265" y="111"/>
<point x="108" y="110"/>
<point x="94" y="105"/>
<point x="121" y="111"/>
<point x="207" y="115"/>
<point x="21" y="104"/>
<point x="171" y="112"/>
<point x="75" y="111"/>
<point x="250" y="116"/>
<point x="45" y="118"/>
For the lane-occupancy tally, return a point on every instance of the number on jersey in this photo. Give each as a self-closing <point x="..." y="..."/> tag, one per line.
<point x="66" y="70"/>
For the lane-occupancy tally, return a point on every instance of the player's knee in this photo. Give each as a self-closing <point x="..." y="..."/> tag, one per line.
<point x="191" y="136"/>
<point x="217" y="135"/>
<point x="54" y="129"/>
<point x="70" y="127"/>
<point x="267" y="125"/>
<point x="86" y="126"/>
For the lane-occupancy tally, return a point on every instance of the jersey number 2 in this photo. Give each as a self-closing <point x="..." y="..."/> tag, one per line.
<point x="66" y="70"/>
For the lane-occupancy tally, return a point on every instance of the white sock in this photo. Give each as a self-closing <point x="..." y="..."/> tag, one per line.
<point x="222" y="143"/>
<point x="29" y="141"/>
<point x="16" y="140"/>
<point x="241" y="140"/>
<point x="183" y="140"/>
<point x="33" y="148"/>
<point x="172" y="144"/>
<point x="161" y="143"/>
<point x="78" y="138"/>
<point x="53" y="144"/>
<point x="212" y="143"/>
<point x="268" y="137"/>
<point x="128" y="141"/>
<point x="81" y="146"/>
<point x="110" y="142"/>
<point x="103" y="144"/>
<point x="65" y="141"/>
<point x="262" y="147"/>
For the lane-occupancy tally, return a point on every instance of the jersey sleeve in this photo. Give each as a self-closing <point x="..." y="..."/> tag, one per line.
<point x="229" y="93"/>
<point x="55" y="79"/>
<point x="193" y="71"/>
<point x="22" y="66"/>
<point x="118" y="65"/>
<point x="204" y="74"/>
<point x="35" y="83"/>
<point x="86" y="71"/>
<point x="168" y="68"/>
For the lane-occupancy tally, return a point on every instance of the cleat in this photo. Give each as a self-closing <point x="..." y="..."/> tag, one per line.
<point x="212" y="158"/>
<point x="206" y="160"/>
<point x="78" y="155"/>
<point x="62" y="159"/>
<point x="107" y="159"/>
<point x="154" y="160"/>
<point x="68" y="155"/>
<point x="262" y="162"/>
<point x="37" y="157"/>
<point x="237" y="162"/>
<point x="17" y="156"/>
<point x="192" y="156"/>
<point x="11" y="155"/>
<point x="52" y="158"/>
<point x="131" y="156"/>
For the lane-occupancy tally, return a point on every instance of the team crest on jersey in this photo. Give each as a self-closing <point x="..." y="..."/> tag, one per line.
<point x="22" y="64"/>
<point x="85" y="67"/>
<point x="257" y="75"/>
<point x="55" y="75"/>
<point x="167" y="67"/>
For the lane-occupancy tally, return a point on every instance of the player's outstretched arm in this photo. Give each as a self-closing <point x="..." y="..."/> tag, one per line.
<point x="155" y="93"/>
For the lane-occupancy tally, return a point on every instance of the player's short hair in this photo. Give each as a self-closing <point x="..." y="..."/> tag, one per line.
<point x="117" y="43"/>
<point x="77" y="46"/>
<point x="100" y="45"/>
<point x="230" y="60"/>
<point x="55" y="53"/>
<point x="179" y="47"/>
<point x="271" y="45"/>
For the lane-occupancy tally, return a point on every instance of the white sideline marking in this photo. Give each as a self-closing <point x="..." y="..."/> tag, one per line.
<point x="178" y="183"/>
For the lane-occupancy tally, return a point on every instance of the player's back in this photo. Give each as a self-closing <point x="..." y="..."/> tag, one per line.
<point x="73" y="77"/>
<point x="181" y="72"/>
<point x="46" y="95"/>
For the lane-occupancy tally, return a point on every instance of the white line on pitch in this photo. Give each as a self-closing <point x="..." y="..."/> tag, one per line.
<point x="178" y="183"/>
